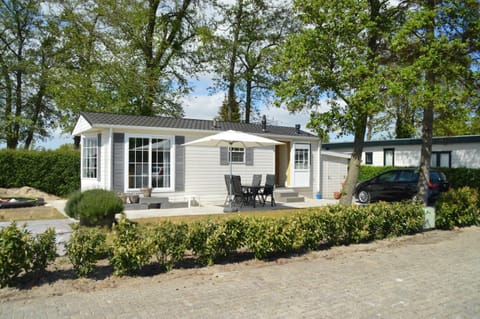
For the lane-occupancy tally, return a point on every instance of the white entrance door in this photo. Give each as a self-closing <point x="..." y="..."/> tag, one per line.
<point x="301" y="165"/>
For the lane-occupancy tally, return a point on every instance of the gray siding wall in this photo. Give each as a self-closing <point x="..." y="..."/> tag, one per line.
<point x="118" y="162"/>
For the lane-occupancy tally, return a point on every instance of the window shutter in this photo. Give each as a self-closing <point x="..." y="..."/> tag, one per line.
<point x="249" y="156"/>
<point x="99" y="152"/>
<point x="223" y="155"/>
<point x="179" y="163"/>
<point x="118" y="169"/>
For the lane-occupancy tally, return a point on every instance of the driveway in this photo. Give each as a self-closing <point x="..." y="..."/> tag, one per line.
<point x="435" y="274"/>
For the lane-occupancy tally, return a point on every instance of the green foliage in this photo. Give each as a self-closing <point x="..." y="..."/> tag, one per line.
<point x="54" y="172"/>
<point x="460" y="177"/>
<point x="42" y="250"/>
<point x="131" y="248"/>
<point x="169" y="243"/>
<point x="22" y="252"/>
<point x="14" y="253"/>
<point x="367" y="172"/>
<point x="71" y="207"/>
<point x="223" y="112"/>
<point x="94" y="207"/>
<point x="458" y="208"/>
<point x="85" y="247"/>
<point x="198" y="235"/>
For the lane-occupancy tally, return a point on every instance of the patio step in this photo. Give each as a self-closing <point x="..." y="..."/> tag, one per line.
<point x="288" y="196"/>
<point x="155" y="203"/>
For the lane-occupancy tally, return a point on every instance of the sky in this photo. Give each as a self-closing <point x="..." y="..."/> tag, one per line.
<point x="199" y="104"/>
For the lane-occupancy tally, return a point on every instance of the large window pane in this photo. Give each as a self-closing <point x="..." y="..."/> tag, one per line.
<point x="138" y="169"/>
<point x="89" y="157"/>
<point x="149" y="163"/>
<point x="161" y="167"/>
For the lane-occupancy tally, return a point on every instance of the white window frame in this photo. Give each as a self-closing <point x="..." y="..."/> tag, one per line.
<point x="172" y="161"/>
<point x="90" y="143"/>
<point x="237" y="150"/>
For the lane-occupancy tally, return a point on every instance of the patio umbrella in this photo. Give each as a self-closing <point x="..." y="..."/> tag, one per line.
<point x="232" y="139"/>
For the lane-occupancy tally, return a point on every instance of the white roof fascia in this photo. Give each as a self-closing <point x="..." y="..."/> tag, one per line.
<point x="335" y="154"/>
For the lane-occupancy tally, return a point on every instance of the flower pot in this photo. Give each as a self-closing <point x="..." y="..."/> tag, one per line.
<point x="337" y="195"/>
<point x="147" y="192"/>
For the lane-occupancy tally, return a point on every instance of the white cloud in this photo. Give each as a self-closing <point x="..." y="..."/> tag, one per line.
<point x="202" y="107"/>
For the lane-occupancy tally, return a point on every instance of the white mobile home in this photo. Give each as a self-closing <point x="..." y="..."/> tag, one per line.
<point x="127" y="153"/>
<point x="454" y="151"/>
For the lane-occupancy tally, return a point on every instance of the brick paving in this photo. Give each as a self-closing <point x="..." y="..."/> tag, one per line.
<point x="431" y="275"/>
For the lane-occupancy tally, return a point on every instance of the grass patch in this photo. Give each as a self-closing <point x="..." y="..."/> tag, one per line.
<point x="278" y="213"/>
<point x="30" y="213"/>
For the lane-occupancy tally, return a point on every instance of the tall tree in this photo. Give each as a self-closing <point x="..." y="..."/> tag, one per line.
<point x="438" y="45"/>
<point x="241" y="45"/>
<point x="229" y="113"/>
<point x="128" y="56"/>
<point x="27" y="47"/>
<point x="337" y="56"/>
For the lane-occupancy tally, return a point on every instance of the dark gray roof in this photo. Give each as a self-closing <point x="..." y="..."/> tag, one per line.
<point x="407" y="141"/>
<point x="107" y="119"/>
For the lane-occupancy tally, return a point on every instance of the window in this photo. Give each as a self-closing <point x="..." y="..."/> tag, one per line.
<point x="90" y="157"/>
<point x="149" y="163"/>
<point x="238" y="155"/>
<point x="441" y="159"/>
<point x="389" y="157"/>
<point x="302" y="156"/>
<point x="368" y="158"/>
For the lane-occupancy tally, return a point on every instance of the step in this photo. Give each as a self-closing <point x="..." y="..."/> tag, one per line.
<point x="297" y="199"/>
<point x="286" y="193"/>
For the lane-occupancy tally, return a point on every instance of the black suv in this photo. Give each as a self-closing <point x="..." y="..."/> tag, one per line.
<point x="399" y="184"/>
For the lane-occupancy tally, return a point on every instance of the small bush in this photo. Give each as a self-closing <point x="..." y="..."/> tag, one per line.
<point x="43" y="250"/>
<point x="14" y="253"/>
<point x="457" y="208"/>
<point x="131" y="249"/>
<point x="169" y="243"/>
<point x="95" y="207"/>
<point x="85" y="247"/>
<point x="71" y="207"/>
<point x="22" y="252"/>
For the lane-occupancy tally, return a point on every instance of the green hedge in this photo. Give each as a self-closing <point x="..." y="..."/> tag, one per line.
<point x="54" y="172"/>
<point x="135" y="246"/>
<point x="458" y="208"/>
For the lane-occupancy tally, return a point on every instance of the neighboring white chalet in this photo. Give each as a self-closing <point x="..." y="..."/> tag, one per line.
<point x="127" y="153"/>
<point x="455" y="151"/>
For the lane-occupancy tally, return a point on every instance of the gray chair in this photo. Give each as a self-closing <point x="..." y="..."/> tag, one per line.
<point x="256" y="180"/>
<point x="268" y="190"/>
<point x="240" y="197"/>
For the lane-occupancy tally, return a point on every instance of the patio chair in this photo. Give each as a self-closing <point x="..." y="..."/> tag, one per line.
<point x="257" y="181"/>
<point x="269" y="189"/>
<point x="240" y="197"/>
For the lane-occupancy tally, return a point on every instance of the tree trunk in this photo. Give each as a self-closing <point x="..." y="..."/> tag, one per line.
<point x="233" y="59"/>
<point x="427" y="122"/>
<point x="355" y="162"/>
<point x="248" y="101"/>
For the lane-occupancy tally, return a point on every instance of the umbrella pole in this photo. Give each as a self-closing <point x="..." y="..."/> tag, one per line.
<point x="230" y="208"/>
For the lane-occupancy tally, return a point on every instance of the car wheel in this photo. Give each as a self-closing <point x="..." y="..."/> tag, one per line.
<point x="363" y="196"/>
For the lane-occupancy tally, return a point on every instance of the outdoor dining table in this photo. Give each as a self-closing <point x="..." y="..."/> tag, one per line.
<point x="254" y="190"/>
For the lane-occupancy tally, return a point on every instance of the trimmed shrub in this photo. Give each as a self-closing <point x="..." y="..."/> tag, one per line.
<point x="457" y="208"/>
<point x="43" y="250"/>
<point x="131" y="249"/>
<point x="14" y="253"/>
<point x="22" y="252"/>
<point x="85" y="247"/>
<point x="169" y="243"/>
<point x="71" y="206"/>
<point x="94" y="207"/>
<point x="197" y="237"/>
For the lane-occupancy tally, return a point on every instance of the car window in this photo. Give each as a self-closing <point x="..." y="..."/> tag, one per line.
<point x="407" y="176"/>
<point x="387" y="177"/>
<point x="437" y="177"/>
